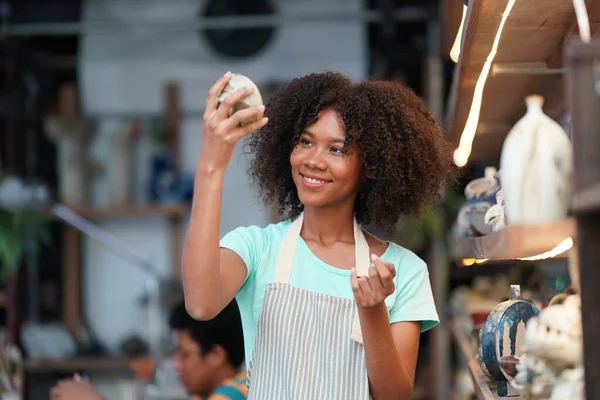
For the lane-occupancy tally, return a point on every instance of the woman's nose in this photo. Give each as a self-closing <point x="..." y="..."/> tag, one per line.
<point x="316" y="160"/>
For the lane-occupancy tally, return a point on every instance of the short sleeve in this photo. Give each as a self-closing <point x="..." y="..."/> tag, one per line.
<point x="246" y="242"/>
<point x="414" y="298"/>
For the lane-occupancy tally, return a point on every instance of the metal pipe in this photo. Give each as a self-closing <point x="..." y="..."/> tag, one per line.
<point x="407" y="14"/>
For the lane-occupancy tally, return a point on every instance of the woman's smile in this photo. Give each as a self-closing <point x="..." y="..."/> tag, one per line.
<point x="314" y="182"/>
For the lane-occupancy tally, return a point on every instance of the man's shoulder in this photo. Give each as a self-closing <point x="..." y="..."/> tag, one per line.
<point x="234" y="388"/>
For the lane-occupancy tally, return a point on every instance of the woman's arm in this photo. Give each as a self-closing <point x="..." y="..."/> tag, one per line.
<point x="390" y="351"/>
<point x="212" y="276"/>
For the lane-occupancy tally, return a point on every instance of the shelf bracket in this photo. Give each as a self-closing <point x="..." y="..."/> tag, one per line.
<point x="525" y="68"/>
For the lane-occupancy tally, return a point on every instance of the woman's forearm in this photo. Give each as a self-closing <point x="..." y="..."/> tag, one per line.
<point x="388" y="376"/>
<point x="200" y="259"/>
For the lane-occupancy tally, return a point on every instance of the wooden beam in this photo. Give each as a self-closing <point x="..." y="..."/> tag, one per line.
<point x="450" y="17"/>
<point x="71" y="279"/>
<point x="71" y="239"/>
<point x="173" y="122"/>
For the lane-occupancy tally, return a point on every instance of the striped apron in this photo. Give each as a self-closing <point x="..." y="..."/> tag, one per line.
<point x="308" y="345"/>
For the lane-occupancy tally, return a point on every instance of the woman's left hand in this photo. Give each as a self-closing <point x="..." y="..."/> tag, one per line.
<point x="372" y="290"/>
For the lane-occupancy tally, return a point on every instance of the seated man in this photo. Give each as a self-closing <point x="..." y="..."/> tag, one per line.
<point x="208" y="359"/>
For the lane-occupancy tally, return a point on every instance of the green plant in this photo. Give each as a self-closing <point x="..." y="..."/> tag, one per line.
<point x="434" y="222"/>
<point x="21" y="230"/>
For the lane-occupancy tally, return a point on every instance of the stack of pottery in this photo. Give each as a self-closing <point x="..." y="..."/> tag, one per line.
<point x="536" y="168"/>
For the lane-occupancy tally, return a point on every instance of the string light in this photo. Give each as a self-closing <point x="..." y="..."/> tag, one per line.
<point x="455" y="51"/>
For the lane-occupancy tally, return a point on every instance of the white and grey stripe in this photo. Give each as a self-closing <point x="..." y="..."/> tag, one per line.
<point x="303" y="350"/>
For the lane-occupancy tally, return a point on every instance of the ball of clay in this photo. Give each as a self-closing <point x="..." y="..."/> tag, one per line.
<point x="237" y="82"/>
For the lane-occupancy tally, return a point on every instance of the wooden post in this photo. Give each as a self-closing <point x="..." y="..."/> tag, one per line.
<point x="583" y="84"/>
<point x="71" y="278"/>
<point x="172" y="124"/>
<point x="173" y="121"/>
<point x="71" y="239"/>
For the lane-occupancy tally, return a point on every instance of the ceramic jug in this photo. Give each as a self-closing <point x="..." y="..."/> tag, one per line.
<point x="536" y="168"/>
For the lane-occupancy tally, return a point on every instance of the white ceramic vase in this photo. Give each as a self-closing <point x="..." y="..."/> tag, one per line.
<point x="118" y="166"/>
<point x="536" y="168"/>
<point x="70" y="136"/>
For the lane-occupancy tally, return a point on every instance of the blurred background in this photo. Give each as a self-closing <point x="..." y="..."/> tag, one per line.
<point x="101" y="106"/>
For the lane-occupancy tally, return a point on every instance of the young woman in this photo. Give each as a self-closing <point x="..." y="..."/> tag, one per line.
<point x="329" y="311"/>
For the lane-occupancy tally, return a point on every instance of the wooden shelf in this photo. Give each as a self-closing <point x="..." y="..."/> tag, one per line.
<point x="516" y="242"/>
<point x="90" y="364"/>
<point x="587" y="200"/>
<point x="480" y="380"/>
<point x="534" y="33"/>
<point x="131" y="211"/>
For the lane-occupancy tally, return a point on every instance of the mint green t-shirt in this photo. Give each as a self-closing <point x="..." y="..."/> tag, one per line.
<point x="259" y="248"/>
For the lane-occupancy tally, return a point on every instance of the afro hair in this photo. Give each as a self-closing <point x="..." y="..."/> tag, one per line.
<point x="406" y="156"/>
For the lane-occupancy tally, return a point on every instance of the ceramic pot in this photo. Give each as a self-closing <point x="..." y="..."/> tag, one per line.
<point x="535" y="168"/>
<point x="483" y="189"/>
<point x="236" y="82"/>
<point x="502" y="335"/>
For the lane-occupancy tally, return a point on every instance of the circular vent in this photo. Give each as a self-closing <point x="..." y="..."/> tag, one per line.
<point x="238" y="42"/>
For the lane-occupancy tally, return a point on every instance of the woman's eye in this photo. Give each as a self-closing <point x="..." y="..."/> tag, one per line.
<point x="337" y="150"/>
<point x="305" y="142"/>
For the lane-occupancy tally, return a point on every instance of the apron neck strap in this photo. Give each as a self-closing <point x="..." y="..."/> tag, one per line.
<point x="285" y="259"/>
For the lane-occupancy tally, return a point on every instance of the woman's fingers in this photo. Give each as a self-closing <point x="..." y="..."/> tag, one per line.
<point x="247" y="114"/>
<point x="212" y="101"/>
<point x="373" y="289"/>
<point x="385" y="272"/>
<point x="251" y="127"/>
<point x="225" y="107"/>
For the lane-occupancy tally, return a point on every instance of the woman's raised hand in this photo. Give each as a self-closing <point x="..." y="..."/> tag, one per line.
<point x="221" y="131"/>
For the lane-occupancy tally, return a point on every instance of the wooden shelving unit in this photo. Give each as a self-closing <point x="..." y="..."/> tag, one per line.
<point x="72" y="243"/>
<point x="539" y="52"/>
<point x="517" y="242"/>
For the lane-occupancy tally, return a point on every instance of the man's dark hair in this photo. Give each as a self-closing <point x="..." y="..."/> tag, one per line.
<point x="225" y="330"/>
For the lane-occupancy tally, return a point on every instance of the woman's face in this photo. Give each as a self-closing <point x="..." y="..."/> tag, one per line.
<point x="326" y="174"/>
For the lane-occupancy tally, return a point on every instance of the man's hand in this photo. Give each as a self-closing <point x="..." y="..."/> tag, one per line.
<point x="74" y="389"/>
